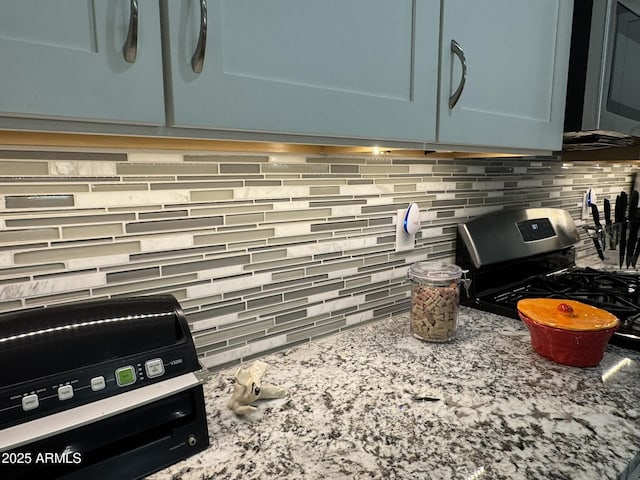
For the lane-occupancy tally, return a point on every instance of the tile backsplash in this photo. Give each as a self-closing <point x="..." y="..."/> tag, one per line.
<point x="261" y="251"/>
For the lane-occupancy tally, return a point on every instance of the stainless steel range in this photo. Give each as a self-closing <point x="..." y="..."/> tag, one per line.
<point x="107" y="389"/>
<point x="530" y="253"/>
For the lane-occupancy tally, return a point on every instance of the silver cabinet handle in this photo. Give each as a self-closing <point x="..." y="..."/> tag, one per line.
<point x="197" y="61"/>
<point x="130" y="48"/>
<point x="457" y="50"/>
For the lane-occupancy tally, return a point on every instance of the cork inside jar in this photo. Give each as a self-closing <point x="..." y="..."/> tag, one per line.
<point x="435" y="299"/>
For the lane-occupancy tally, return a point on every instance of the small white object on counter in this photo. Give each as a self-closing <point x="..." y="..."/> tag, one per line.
<point x="249" y="388"/>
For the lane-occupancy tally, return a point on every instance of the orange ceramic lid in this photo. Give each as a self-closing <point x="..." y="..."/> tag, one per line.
<point x="566" y="314"/>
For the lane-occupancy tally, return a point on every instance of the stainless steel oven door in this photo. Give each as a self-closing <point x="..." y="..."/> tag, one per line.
<point x="612" y="89"/>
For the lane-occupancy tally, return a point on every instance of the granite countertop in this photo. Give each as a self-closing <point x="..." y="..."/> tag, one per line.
<point x="374" y="402"/>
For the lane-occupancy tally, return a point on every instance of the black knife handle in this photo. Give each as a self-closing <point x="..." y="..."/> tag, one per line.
<point x="596" y="244"/>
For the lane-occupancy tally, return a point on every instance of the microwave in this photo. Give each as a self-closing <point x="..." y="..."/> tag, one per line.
<point x="603" y="89"/>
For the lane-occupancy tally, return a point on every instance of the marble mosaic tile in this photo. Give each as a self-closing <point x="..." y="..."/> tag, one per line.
<point x="154" y="157"/>
<point x="304" y="245"/>
<point x="52" y="254"/>
<point x="82" y="168"/>
<point x="132" y="199"/>
<point x="27" y="289"/>
<point x="42" y="219"/>
<point x="199" y="223"/>
<point x="77" y="294"/>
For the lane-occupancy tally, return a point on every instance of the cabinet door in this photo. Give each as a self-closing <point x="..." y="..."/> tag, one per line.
<point x="340" y="68"/>
<point x="517" y="54"/>
<point x="64" y="59"/>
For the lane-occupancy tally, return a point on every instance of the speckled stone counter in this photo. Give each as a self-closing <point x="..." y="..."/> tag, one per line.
<point x="374" y="402"/>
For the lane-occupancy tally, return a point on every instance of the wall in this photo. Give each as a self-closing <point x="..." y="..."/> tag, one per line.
<point x="261" y="251"/>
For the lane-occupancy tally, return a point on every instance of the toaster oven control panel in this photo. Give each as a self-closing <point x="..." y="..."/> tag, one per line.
<point x="23" y="402"/>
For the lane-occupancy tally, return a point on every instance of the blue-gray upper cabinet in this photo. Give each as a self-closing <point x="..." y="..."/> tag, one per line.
<point x="516" y="54"/>
<point x="335" y="68"/>
<point x="65" y="59"/>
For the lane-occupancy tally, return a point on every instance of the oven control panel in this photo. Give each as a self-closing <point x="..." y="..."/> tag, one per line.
<point x="537" y="229"/>
<point x="35" y="399"/>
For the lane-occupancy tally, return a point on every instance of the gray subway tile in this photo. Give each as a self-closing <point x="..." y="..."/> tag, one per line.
<point x="179" y="268"/>
<point x="183" y="253"/>
<point x="328" y="226"/>
<point x="196" y="185"/>
<point x="226" y="158"/>
<point x="68" y="219"/>
<point x="305" y="292"/>
<point x="39" y="201"/>
<point x="330" y="190"/>
<point x="41" y="189"/>
<point x="165" y="169"/>
<point x="163" y="214"/>
<point x="345" y="168"/>
<point x="316" y="331"/>
<point x="263" y="183"/>
<point x="288" y="317"/>
<point x="265" y="301"/>
<point x="180" y="224"/>
<point x="239" y="168"/>
<point x="396" y="308"/>
<point x="234" y="237"/>
<point x="28" y="235"/>
<point x="333" y="160"/>
<point x="216" y="310"/>
<point x="133" y="275"/>
<point x="335" y="203"/>
<point x="62" y="155"/>
<point x="273" y="168"/>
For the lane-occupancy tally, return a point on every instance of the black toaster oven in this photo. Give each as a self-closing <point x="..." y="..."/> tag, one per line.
<point x="106" y="389"/>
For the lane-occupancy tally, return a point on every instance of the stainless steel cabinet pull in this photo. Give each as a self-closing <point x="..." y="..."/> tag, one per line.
<point x="130" y="48"/>
<point x="197" y="61"/>
<point x="457" y="50"/>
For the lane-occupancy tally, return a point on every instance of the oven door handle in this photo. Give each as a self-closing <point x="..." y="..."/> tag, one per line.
<point x="40" y="428"/>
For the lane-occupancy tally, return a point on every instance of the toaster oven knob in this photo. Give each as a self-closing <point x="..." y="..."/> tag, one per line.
<point x="192" y="440"/>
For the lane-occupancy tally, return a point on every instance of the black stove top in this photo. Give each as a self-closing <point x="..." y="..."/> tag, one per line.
<point x="617" y="293"/>
<point x="537" y="262"/>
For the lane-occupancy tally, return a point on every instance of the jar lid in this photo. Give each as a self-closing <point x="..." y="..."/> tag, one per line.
<point x="567" y="314"/>
<point x="434" y="271"/>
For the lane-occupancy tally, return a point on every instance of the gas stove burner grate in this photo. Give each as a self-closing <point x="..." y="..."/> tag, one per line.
<point x="616" y="293"/>
<point x="595" y="280"/>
